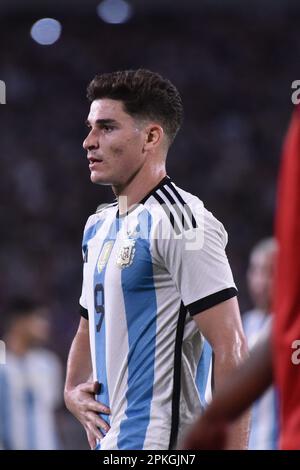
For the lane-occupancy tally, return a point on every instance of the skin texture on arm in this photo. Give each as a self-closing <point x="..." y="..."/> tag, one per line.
<point x="80" y="390"/>
<point x="221" y="326"/>
<point x="240" y="390"/>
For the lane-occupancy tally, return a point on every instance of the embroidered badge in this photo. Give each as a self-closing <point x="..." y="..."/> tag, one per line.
<point x="126" y="254"/>
<point x="104" y="255"/>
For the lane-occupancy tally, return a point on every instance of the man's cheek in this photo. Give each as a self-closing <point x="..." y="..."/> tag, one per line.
<point x="116" y="150"/>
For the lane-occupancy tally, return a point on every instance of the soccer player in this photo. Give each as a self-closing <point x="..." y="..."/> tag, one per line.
<point x="156" y="279"/>
<point x="257" y="324"/>
<point x="30" y="381"/>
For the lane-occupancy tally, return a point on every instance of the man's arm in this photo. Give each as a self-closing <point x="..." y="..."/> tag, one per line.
<point x="241" y="389"/>
<point x="79" y="391"/>
<point x="221" y="326"/>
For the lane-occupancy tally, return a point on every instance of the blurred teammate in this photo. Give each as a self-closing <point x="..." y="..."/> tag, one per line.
<point x="244" y="386"/>
<point x="277" y="358"/>
<point x="30" y="381"/>
<point x="257" y="324"/>
<point x="155" y="275"/>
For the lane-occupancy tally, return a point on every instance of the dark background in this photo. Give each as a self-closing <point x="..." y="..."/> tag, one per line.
<point x="232" y="61"/>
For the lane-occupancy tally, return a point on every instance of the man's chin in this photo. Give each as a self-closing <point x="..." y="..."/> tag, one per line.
<point x="96" y="179"/>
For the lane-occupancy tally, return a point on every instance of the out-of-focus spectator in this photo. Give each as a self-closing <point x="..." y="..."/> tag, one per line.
<point x="257" y="323"/>
<point x="30" y="381"/>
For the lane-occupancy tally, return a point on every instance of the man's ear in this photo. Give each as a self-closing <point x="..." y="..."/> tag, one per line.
<point x="154" y="136"/>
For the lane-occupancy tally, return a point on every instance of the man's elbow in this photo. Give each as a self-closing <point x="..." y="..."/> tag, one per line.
<point x="233" y="353"/>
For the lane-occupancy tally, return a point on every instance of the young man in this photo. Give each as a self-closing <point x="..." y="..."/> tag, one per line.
<point x="156" y="278"/>
<point x="30" y="381"/>
<point x="257" y="324"/>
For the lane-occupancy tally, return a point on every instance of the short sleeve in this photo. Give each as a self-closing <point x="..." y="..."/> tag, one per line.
<point x="198" y="264"/>
<point x="87" y="234"/>
<point x="82" y="303"/>
<point x="82" y="300"/>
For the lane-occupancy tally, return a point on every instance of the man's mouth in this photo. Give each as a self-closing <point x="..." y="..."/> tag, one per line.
<point x="93" y="160"/>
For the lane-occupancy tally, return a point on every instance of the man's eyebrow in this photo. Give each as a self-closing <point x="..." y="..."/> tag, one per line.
<point x="101" y="122"/>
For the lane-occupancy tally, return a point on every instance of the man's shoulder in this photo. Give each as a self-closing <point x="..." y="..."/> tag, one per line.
<point x="193" y="203"/>
<point x="253" y="313"/>
<point x="168" y="198"/>
<point x="253" y="320"/>
<point x="182" y="209"/>
<point x="100" y="214"/>
<point x="44" y="359"/>
<point x="189" y="201"/>
<point x="106" y="206"/>
<point x="187" y="196"/>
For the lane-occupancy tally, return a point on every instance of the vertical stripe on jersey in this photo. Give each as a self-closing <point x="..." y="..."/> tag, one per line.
<point x="141" y="313"/>
<point x="99" y="324"/>
<point x="264" y="425"/>
<point x="177" y="376"/>
<point x="30" y="415"/>
<point x="202" y="373"/>
<point x="5" y="411"/>
<point x="88" y="234"/>
<point x="275" y="421"/>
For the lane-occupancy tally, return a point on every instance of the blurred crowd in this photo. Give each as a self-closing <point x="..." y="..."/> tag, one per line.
<point x="234" y="68"/>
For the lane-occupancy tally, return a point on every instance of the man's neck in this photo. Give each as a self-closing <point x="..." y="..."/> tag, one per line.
<point x="16" y="344"/>
<point x="139" y="186"/>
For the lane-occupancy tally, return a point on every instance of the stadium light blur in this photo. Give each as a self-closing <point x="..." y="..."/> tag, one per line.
<point x="46" y="31"/>
<point x="114" y="11"/>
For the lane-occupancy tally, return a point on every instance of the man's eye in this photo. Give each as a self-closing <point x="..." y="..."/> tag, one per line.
<point x="107" y="128"/>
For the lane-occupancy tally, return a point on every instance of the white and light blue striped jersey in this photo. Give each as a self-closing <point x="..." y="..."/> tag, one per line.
<point x="145" y="275"/>
<point x="264" y="413"/>
<point x="30" y="391"/>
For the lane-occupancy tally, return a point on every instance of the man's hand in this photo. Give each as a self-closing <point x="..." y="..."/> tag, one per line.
<point x="81" y="403"/>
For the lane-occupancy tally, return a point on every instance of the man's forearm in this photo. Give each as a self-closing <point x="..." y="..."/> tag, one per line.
<point x="79" y="367"/>
<point x="80" y="390"/>
<point x="225" y="365"/>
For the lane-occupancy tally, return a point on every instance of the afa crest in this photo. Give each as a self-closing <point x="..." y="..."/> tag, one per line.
<point x="126" y="254"/>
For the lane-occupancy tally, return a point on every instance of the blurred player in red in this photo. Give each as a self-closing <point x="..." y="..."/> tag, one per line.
<point x="278" y="358"/>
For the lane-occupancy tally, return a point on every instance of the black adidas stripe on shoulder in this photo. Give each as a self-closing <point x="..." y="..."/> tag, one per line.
<point x="186" y="208"/>
<point x="182" y="213"/>
<point x="177" y="210"/>
<point x="168" y="213"/>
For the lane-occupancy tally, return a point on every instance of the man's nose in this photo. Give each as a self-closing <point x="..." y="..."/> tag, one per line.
<point x="90" y="142"/>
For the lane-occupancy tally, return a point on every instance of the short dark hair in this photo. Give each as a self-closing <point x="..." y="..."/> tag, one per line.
<point x="144" y="94"/>
<point x="21" y="307"/>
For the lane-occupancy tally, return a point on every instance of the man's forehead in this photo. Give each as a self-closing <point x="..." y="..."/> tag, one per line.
<point x="106" y="108"/>
<point x="262" y="258"/>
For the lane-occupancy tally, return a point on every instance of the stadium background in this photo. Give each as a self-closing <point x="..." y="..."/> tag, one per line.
<point x="232" y="61"/>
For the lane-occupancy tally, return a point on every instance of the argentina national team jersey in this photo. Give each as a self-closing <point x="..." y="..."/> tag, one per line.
<point x="30" y="393"/>
<point x="145" y="275"/>
<point x="264" y="430"/>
